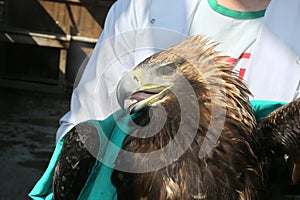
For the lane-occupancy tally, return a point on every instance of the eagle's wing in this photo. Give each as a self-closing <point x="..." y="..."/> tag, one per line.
<point x="76" y="161"/>
<point x="280" y="134"/>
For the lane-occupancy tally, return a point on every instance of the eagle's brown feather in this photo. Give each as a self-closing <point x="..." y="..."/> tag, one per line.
<point x="279" y="134"/>
<point x="76" y="161"/>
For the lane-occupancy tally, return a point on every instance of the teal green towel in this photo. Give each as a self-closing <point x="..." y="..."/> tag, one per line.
<point x="112" y="132"/>
<point x="43" y="188"/>
<point x="262" y="108"/>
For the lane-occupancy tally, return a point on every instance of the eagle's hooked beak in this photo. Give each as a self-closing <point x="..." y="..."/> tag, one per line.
<point x="133" y="94"/>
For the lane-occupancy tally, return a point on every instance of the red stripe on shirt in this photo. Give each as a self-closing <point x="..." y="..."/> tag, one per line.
<point x="245" y="55"/>
<point x="242" y="73"/>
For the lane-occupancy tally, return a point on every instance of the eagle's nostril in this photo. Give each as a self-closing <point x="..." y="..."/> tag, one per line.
<point x="135" y="78"/>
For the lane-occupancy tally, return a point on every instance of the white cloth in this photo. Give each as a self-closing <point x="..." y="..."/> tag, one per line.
<point x="134" y="30"/>
<point x="274" y="72"/>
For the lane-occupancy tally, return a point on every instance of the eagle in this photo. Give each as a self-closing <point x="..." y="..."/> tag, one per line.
<point x="196" y="136"/>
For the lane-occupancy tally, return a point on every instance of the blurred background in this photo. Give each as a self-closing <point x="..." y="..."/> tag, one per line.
<point x="43" y="43"/>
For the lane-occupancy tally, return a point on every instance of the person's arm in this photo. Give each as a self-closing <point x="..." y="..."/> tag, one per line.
<point x="93" y="98"/>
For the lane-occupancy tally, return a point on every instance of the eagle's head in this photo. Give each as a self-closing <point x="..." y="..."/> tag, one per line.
<point x="189" y="78"/>
<point x="157" y="78"/>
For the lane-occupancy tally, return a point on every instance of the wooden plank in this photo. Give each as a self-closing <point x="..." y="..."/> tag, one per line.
<point x="105" y="3"/>
<point x="20" y="36"/>
<point x="13" y="35"/>
<point x="84" y="39"/>
<point x="66" y="17"/>
<point x="32" y="40"/>
<point x="62" y="67"/>
<point x="75" y="19"/>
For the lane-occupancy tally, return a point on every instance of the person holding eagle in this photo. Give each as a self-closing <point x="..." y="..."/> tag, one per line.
<point x="260" y="40"/>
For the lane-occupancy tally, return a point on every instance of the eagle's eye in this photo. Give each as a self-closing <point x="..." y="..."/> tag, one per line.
<point x="166" y="70"/>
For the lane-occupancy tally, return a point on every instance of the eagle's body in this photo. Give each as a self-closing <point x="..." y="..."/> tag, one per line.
<point x="198" y="137"/>
<point x="231" y="169"/>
